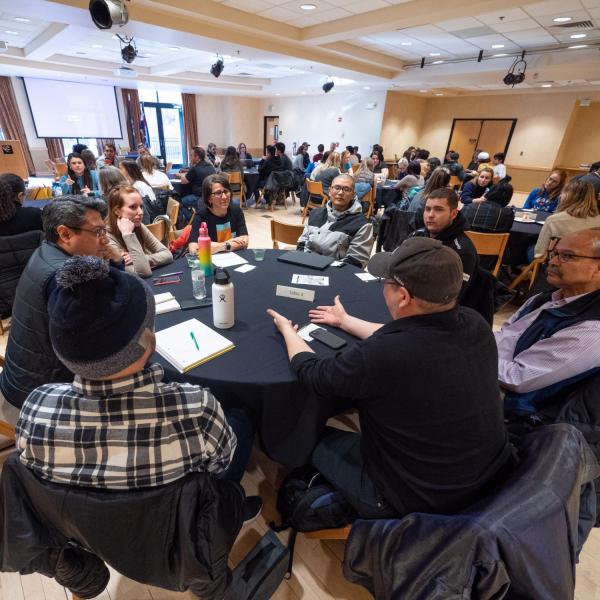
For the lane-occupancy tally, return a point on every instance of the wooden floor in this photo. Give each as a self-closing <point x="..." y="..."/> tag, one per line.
<point x="317" y="565"/>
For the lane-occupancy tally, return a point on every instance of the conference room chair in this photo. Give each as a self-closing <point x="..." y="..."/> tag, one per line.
<point x="341" y="533"/>
<point x="370" y="197"/>
<point x="490" y="244"/>
<point x="158" y="230"/>
<point x="236" y="178"/>
<point x="286" y="233"/>
<point x="392" y="170"/>
<point x="455" y="182"/>
<point x="173" y="214"/>
<point x="314" y="190"/>
<point x="355" y="167"/>
<point x="530" y="272"/>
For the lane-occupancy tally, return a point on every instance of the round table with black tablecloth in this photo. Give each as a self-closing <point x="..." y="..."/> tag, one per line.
<point x="250" y="179"/>
<point x="523" y="235"/>
<point x="257" y="373"/>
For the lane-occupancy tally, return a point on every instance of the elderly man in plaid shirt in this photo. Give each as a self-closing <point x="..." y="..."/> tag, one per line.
<point x="117" y="425"/>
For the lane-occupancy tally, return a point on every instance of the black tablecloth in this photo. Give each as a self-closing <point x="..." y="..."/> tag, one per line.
<point x="386" y="194"/>
<point x="530" y="228"/>
<point x="257" y="373"/>
<point x="250" y="179"/>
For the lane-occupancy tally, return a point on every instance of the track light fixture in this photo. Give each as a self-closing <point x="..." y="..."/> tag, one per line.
<point x="128" y="49"/>
<point x="328" y="86"/>
<point x="106" y="13"/>
<point x="217" y="68"/>
<point x="516" y="73"/>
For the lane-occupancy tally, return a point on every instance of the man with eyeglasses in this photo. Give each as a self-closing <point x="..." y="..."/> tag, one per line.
<point x="425" y="386"/>
<point x="339" y="229"/>
<point x="553" y="341"/>
<point x="73" y="226"/>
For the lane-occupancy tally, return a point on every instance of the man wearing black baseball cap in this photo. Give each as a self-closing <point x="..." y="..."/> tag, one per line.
<point x="425" y="385"/>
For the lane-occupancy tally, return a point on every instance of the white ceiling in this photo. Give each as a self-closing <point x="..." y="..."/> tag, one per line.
<point x="65" y="43"/>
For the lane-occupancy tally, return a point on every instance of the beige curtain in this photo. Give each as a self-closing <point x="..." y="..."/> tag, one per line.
<point x="10" y="120"/>
<point x="55" y="148"/>
<point x="133" y="115"/>
<point x="190" y="122"/>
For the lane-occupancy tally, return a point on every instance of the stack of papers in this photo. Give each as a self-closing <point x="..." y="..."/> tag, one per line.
<point x="227" y="259"/>
<point x="190" y="344"/>
<point x="166" y="303"/>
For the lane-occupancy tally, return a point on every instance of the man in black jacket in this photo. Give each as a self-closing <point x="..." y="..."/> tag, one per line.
<point x="73" y="226"/>
<point x="444" y="222"/>
<point x="432" y="434"/>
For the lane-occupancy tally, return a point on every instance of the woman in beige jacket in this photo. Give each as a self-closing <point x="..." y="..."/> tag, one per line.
<point x="576" y="210"/>
<point x="140" y="250"/>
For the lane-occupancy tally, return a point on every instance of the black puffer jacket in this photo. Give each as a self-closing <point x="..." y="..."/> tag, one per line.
<point x="15" y="251"/>
<point x="30" y="360"/>
<point x="175" y="536"/>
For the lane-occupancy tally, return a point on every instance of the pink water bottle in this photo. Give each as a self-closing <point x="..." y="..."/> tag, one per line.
<point x="204" y="254"/>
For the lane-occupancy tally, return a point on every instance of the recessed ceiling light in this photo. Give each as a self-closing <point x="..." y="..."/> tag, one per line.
<point x="546" y="85"/>
<point x="22" y="20"/>
<point x="278" y="94"/>
<point x="366" y="87"/>
<point x="11" y="32"/>
<point x="96" y="45"/>
<point x="174" y="48"/>
<point x="562" y="19"/>
<point x="439" y="94"/>
<point x="434" y="54"/>
<point x="308" y="6"/>
<point x="406" y="43"/>
<point x="437" y="62"/>
<point x="578" y="47"/>
<point x="578" y="36"/>
<point x="494" y="46"/>
<point x="498" y="55"/>
<point x="423" y="91"/>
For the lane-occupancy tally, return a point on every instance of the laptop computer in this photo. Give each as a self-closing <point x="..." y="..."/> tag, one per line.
<point x="306" y="259"/>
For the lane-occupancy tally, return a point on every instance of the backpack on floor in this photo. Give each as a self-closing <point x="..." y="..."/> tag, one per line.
<point x="306" y="501"/>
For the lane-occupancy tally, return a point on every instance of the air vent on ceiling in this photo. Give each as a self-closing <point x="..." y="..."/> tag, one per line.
<point x="575" y="25"/>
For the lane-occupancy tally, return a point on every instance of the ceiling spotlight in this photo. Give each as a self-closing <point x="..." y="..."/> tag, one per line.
<point x="406" y="43"/>
<point x="217" y="68"/>
<point x="562" y="19"/>
<point x="546" y="85"/>
<point x="328" y="86"/>
<point x="496" y="46"/>
<point x="106" y="13"/>
<point x="128" y="51"/>
<point x="516" y="73"/>
<point x="308" y="6"/>
<point x="578" y="36"/>
<point x="434" y="54"/>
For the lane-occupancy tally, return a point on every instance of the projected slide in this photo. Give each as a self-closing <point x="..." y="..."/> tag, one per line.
<point x="66" y="109"/>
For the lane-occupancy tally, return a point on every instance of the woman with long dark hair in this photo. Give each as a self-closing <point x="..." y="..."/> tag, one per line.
<point x="231" y="163"/>
<point x="79" y="179"/>
<point x="14" y="217"/>
<point x="135" y="178"/>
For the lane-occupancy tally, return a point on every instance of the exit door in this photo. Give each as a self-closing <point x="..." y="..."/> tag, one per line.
<point x="486" y="135"/>
<point x="271" y="131"/>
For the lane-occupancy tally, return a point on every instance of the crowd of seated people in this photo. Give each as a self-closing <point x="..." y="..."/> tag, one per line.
<point x="406" y="458"/>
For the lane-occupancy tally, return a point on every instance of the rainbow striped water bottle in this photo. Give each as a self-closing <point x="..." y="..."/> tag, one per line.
<point x="204" y="254"/>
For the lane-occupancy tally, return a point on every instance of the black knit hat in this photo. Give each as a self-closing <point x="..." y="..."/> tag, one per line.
<point x="98" y="317"/>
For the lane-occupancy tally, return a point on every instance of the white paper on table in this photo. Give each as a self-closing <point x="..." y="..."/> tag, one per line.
<point x="310" y="279"/>
<point x="228" y="259"/>
<point x="305" y="331"/>
<point x="245" y="268"/>
<point x="366" y="276"/>
<point x="168" y="306"/>
<point x="337" y="263"/>
<point x="165" y="297"/>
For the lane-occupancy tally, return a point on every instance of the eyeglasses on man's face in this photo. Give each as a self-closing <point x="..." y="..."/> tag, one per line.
<point x="342" y="188"/>
<point x="565" y="257"/>
<point x="97" y="231"/>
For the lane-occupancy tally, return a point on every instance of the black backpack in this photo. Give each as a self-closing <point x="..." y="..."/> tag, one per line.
<point x="306" y="501"/>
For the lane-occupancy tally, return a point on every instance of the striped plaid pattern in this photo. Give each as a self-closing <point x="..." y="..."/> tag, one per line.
<point x="123" y="434"/>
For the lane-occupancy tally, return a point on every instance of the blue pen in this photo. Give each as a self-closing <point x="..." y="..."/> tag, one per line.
<point x="195" y="341"/>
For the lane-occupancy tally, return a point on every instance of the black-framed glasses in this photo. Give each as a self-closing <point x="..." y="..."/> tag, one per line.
<point x="98" y="231"/>
<point x="342" y="188"/>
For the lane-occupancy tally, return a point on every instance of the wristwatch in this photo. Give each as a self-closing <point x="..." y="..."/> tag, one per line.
<point x="228" y="246"/>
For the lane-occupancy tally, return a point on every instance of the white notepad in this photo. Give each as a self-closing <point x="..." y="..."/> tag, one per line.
<point x="227" y="259"/>
<point x="165" y="303"/>
<point x="177" y="345"/>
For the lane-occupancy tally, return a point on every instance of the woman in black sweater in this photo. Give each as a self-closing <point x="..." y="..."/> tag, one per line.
<point x="14" y="218"/>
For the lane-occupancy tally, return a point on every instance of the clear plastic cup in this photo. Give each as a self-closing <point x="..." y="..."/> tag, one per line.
<point x="198" y="282"/>
<point x="259" y="254"/>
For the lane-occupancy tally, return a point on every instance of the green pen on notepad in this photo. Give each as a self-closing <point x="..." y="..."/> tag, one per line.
<point x="195" y="341"/>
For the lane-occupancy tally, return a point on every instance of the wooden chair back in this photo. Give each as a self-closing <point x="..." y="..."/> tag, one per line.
<point x="236" y="177"/>
<point x="173" y="213"/>
<point x="286" y="233"/>
<point x="455" y="182"/>
<point x="370" y="197"/>
<point x="355" y="167"/>
<point x="529" y="272"/>
<point x="61" y="169"/>
<point x="315" y="190"/>
<point x="158" y="230"/>
<point x="6" y="429"/>
<point x="490" y="244"/>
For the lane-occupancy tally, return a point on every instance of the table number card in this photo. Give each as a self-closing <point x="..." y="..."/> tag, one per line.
<point x="295" y="293"/>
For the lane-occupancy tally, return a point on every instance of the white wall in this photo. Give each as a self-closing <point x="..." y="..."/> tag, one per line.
<point x="316" y="119"/>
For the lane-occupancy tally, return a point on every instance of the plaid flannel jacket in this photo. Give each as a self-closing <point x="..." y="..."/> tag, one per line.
<point x="123" y="434"/>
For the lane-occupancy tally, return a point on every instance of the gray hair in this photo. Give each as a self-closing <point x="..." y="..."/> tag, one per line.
<point x="110" y="177"/>
<point x="70" y="211"/>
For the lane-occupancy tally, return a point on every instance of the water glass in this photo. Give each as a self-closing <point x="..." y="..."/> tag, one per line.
<point x="198" y="282"/>
<point x="192" y="259"/>
<point x="259" y="254"/>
